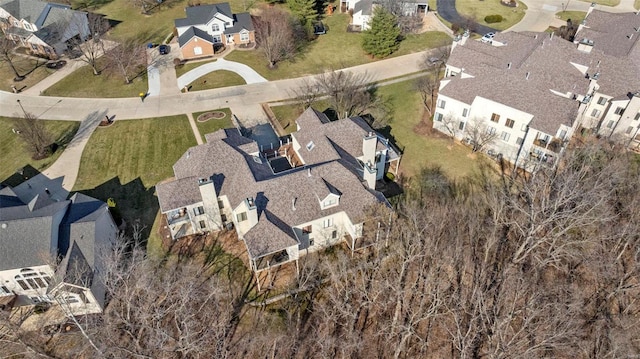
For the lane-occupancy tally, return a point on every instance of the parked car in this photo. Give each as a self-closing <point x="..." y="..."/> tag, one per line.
<point x="488" y="37"/>
<point x="164" y="49"/>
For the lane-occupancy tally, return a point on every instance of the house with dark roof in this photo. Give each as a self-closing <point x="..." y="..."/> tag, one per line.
<point x="50" y="249"/>
<point x="314" y="191"/>
<point x="44" y="28"/>
<point x="524" y="95"/>
<point x="208" y="26"/>
<point x="362" y="10"/>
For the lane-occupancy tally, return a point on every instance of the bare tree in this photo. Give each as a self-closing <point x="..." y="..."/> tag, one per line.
<point x="478" y="134"/>
<point x="7" y="55"/>
<point x="90" y="50"/>
<point x="427" y="86"/>
<point x="275" y="35"/>
<point x="307" y="93"/>
<point x="126" y="59"/>
<point x="409" y="21"/>
<point x="34" y="134"/>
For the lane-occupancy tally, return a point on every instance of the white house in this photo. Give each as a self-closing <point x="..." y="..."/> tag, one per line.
<point x="50" y="249"/>
<point x="42" y="27"/>
<point x="526" y="94"/>
<point x="312" y="192"/>
<point x="208" y="25"/>
<point x="362" y="10"/>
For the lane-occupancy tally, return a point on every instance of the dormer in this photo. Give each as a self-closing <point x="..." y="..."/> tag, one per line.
<point x="330" y="201"/>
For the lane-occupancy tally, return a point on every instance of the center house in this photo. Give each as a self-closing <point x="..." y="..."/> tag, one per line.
<point x="312" y="192"/>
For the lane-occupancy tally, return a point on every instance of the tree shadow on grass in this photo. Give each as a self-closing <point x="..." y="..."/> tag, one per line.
<point x="135" y="204"/>
<point x="20" y="176"/>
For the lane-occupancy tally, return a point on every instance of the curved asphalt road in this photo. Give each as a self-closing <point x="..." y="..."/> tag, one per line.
<point x="447" y="9"/>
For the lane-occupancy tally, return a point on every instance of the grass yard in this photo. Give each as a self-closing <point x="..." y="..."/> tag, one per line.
<point x="155" y="26"/>
<point x="126" y="160"/>
<point x="15" y="155"/>
<point x="575" y="16"/>
<point x="479" y="9"/>
<point x="420" y="148"/>
<point x="34" y="72"/>
<point x="106" y="84"/>
<point x="183" y="69"/>
<point x="636" y="4"/>
<point x="336" y="49"/>
<point x="216" y="79"/>
<point x="607" y="2"/>
<point x="287" y="114"/>
<point x="213" y="125"/>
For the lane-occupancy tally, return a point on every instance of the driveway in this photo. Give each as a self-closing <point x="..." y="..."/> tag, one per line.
<point x="447" y="9"/>
<point x="249" y="75"/>
<point x="161" y="73"/>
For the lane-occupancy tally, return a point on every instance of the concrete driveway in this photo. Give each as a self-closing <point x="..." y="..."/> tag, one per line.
<point x="161" y="73"/>
<point x="249" y="75"/>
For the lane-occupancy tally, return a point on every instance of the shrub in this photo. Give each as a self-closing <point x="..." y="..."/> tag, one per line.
<point x="490" y="19"/>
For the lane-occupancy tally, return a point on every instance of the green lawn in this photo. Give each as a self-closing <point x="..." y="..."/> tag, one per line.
<point x="15" y="155"/>
<point x="420" y="148"/>
<point x="155" y="26"/>
<point x="34" y="72"/>
<point x="336" y="49"/>
<point x="636" y="4"/>
<point x="216" y="79"/>
<point x="213" y="125"/>
<point x="575" y="16"/>
<point x="107" y="84"/>
<point x="479" y="9"/>
<point x="606" y="2"/>
<point x="183" y="69"/>
<point x="126" y="160"/>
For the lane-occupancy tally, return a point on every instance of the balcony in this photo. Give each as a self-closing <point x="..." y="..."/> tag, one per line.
<point x="271" y="260"/>
<point x="555" y="145"/>
<point x="177" y="216"/>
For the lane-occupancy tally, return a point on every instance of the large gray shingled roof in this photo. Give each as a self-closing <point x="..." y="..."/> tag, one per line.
<point x="199" y="15"/>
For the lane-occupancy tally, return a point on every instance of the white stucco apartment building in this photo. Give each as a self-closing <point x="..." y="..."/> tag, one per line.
<point x="526" y="94"/>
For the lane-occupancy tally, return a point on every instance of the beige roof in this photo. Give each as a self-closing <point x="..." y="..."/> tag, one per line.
<point x="523" y="73"/>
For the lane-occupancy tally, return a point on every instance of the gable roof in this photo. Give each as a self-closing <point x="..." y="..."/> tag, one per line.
<point x="29" y="10"/>
<point x="365" y="6"/>
<point x="192" y="32"/>
<point x="202" y="14"/>
<point x="241" y="22"/>
<point x="179" y="193"/>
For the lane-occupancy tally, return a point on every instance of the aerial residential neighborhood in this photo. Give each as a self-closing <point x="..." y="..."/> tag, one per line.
<point x="319" y="178"/>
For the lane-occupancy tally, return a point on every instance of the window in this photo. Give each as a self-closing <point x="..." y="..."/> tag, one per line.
<point x="602" y="100"/>
<point x="442" y="103"/>
<point x="223" y="217"/>
<point x="563" y="134"/>
<point x="461" y="126"/>
<point x="453" y="74"/>
<point x="197" y="50"/>
<point x="595" y="113"/>
<point x="505" y="136"/>
<point x="629" y="129"/>
<point x="307" y="229"/>
<point x="203" y="225"/>
<point x="310" y="145"/>
<point x="217" y="39"/>
<point x="519" y="141"/>
<point x="228" y="24"/>
<point x="637" y="117"/>
<point x="244" y="36"/>
<point x="198" y="211"/>
<point x="220" y="204"/>
<point x="29" y="279"/>
<point x="334" y="234"/>
<point x="523" y="128"/>
<point x="495" y="117"/>
<point x="311" y="242"/>
<point x="327" y="223"/>
<point x="491" y="130"/>
<point x="4" y="290"/>
<point x="610" y="124"/>
<point x="215" y="27"/>
<point x="465" y="112"/>
<point x="510" y="123"/>
<point x="619" y="111"/>
<point x="34" y="47"/>
<point x="241" y="217"/>
<point x="330" y="201"/>
<point x="27" y="27"/>
<point x="438" y="117"/>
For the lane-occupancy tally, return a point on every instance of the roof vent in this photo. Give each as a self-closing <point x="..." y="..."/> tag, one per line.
<point x="4" y="226"/>
<point x="293" y="203"/>
<point x="509" y="65"/>
<point x="527" y="75"/>
<point x="309" y="171"/>
<point x="630" y="36"/>
<point x="310" y="145"/>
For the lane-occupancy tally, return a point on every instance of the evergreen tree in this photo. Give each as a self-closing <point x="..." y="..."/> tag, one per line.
<point x="383" y="36"/>
<point x="305" y="11"/>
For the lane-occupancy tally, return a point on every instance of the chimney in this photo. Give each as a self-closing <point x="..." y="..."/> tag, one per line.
<point x="210" y="203"/>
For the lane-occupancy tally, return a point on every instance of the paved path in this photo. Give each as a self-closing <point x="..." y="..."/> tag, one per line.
<point x="447" y="9"/>
<point x="194" y="128"/>
<point x="542" y="13"/>
<point x="249" y="75"/>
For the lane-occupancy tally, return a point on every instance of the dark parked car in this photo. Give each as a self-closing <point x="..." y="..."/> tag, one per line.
<point x="164" y="49"/>
<point x="56" y="64"/>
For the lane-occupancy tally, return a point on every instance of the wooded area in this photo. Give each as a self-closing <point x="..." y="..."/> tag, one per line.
<point x="489" y="267"/>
